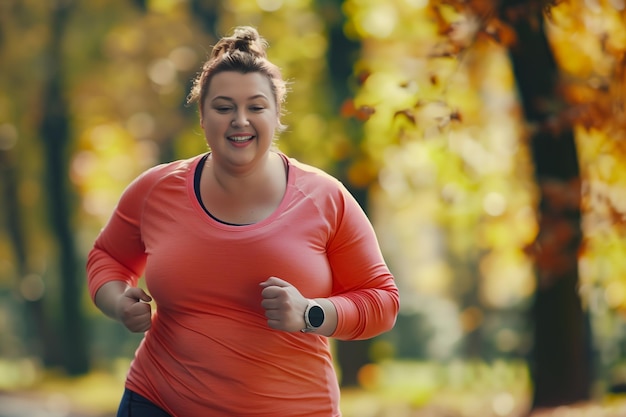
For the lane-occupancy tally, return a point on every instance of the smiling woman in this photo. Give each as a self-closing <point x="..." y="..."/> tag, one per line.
<point x="239" y="244"/>
<point x="239" y="108"/>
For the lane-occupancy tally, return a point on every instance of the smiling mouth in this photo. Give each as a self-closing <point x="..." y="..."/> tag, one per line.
<point x="240" y="139"/>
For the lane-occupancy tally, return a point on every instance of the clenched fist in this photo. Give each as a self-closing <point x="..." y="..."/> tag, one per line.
<point x="284" y="305"/>
<point x="133" y="309"/>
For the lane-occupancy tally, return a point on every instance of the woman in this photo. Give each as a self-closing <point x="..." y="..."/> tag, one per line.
<point x="253" y="261"/>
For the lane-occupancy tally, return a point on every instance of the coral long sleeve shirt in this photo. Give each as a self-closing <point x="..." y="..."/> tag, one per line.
<point x="209" y="351"/>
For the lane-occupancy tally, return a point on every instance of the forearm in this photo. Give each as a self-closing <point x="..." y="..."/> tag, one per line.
<point x="330" y="317"/>
<point x="366" y="313"/>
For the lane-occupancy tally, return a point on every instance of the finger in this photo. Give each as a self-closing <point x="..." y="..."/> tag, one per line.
<point x="270" y="292"/>
<point x="268" y="304"/>
<point x="274" y="324"/>
<point x="275" y="281"/>
<point x="143" y="296"/>
<point x="272" y="315"/>
<point x="140" y="327"/>
<point x="275" y="293"/>
<point x="140" y="309"/>
<point x="141" y="322"/>
<point x="138" y="294"/>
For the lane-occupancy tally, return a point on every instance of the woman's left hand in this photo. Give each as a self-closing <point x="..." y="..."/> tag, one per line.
<point x="284" y="305"/>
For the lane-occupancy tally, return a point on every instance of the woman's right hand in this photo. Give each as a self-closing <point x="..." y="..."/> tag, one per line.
<point x="133" y="310"/>
<point x="129" y="305"/>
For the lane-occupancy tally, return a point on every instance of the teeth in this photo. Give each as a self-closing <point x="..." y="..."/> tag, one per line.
<point x="240" y="138"/>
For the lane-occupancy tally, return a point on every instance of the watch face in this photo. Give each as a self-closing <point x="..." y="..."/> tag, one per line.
<point x="316" y="316"/>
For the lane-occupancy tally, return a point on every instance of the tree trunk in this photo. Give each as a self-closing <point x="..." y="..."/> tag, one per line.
<point x="342" y="53"/>
<point x="55" y="135"/>
<point x="207" y="13"/>
<point x="560" y="362"/>
<point x="35" y="334"/>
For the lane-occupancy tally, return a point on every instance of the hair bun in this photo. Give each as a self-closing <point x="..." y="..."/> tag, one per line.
<point x="245" y="39"/>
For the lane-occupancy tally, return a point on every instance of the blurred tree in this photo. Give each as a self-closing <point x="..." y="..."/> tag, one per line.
<point x="341" y="56"/>
<point x="588" y="42"/>
<point x="580" y="92"/>
<point x="207" y="12"/>
<point x="54" y="131"/>
<point x="34" y="116"/>
<point x="141" y="4"/>
<point x="35" y="330"/>
<point x="452" y="183"/>
<point x="561" y="363"/>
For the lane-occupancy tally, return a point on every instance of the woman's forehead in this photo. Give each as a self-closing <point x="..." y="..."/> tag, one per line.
<point x="236" y="84"/>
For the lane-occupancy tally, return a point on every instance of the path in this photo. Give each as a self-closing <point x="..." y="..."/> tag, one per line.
<point x="29" y="406"/>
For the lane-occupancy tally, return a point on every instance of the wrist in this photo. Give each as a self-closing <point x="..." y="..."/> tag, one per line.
<point x="314" y="316"/>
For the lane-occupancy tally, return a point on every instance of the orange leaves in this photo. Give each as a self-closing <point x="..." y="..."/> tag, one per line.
<point x="553" y="251"/>
<point x="462" y="23"/>
<point x="429" y="117"/>
<point x="561" y="196"/>
<point x="589" y="45"/>
<point x="500" y="32"/>
<point x="362" y="113"/>
<point x="559" y="235"/>
<point x="362" y="173"/>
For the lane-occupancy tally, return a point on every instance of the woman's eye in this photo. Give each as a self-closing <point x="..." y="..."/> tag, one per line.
<point x="257" y="108"/>
<point x="222" y="109"/>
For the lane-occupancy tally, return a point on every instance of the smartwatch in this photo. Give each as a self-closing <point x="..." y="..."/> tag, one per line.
<point x="313" y="317"/>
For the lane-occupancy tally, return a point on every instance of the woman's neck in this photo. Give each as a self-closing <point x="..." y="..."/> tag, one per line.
<point x="244" y="197"/>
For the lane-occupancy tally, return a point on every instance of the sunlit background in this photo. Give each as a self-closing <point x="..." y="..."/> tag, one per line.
<point x="414" y="104"/>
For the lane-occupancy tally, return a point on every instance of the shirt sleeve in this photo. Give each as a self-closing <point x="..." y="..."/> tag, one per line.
<point x="118" y="253"/>
<point x="364" y="291"/>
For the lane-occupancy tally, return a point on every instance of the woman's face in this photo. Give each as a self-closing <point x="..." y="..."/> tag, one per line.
<point x="239" y="117"/>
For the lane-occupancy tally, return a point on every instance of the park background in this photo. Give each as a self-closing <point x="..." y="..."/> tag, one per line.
<point x="485" y="139"/>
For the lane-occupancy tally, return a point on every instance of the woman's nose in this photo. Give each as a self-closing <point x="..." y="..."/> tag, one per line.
<point x="240" y="119"/>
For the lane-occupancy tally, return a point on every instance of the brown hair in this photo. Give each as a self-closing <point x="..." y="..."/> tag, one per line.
<point x="244" y="52"/>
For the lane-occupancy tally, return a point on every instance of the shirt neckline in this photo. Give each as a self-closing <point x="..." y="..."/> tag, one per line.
<point x="193" y="187"/>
